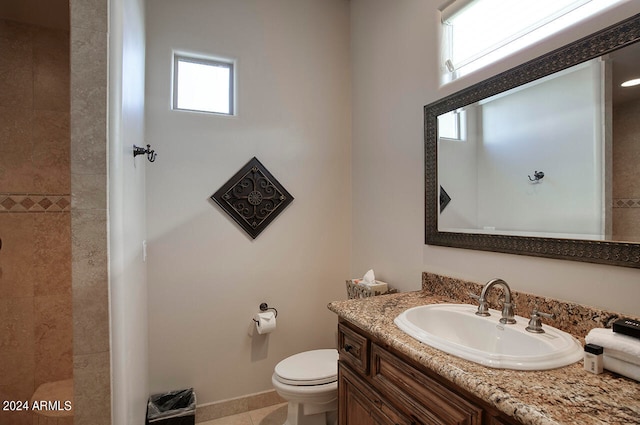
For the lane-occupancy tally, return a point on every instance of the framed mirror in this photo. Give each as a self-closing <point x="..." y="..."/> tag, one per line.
<point x="542" y="159"/>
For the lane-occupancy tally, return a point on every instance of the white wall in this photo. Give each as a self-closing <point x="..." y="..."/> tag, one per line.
<point x="395" y="73"/>
<point x="127" y="271"/>
<point x="553" y="126"/>
<point x="206" y="276"/>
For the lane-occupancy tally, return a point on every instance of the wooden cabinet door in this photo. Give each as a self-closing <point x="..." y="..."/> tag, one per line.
<point x="426" y="400"/>
<point x="358" y="404"/>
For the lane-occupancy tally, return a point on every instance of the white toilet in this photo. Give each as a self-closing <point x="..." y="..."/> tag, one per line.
<point x="309" y="382"/>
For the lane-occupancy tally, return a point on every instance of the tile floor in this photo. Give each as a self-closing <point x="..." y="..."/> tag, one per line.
<point x="271" y="415"/>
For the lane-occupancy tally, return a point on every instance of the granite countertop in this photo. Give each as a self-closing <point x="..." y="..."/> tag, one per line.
<point x="568" y="395"/>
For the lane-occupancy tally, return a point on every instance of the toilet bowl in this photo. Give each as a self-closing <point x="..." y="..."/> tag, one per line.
<point x="309" y="383"/>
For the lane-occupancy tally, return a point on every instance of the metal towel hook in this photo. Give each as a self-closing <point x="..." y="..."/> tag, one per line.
<point x="151" y="154"/>
<point x="537" y="176"/>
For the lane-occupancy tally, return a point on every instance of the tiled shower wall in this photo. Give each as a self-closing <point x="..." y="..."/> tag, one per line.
<point x="35" y="223"/>
<point x="626" y="179"/>
<point x="89" y="276"/>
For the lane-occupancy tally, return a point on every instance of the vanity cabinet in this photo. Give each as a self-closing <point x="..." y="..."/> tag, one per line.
<point x="379" y="386"/>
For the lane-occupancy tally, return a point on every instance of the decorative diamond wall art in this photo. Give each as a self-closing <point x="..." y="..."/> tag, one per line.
<point x="444" y="199"/>
<point x="253" y="197"/>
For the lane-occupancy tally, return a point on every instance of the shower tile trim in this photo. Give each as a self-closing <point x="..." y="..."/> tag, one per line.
<point x="626" y="203"/>
<point x="34" y="203"/>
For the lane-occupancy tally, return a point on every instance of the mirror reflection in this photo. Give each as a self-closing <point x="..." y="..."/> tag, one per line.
<point x="558" y="157"/>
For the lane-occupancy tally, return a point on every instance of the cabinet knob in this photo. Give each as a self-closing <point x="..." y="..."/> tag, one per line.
<point x="348" y="347"/>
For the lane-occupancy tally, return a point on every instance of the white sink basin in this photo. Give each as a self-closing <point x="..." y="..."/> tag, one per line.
<point x="455" y="329"/>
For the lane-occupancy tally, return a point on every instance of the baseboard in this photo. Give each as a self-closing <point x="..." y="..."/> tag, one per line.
<point x="234" y="406"/>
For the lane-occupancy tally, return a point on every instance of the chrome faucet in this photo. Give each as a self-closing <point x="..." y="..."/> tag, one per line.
<point x="507" y="307"/>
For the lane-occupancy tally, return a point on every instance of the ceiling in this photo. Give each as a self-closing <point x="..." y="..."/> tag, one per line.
<point x="45" y="13"/>
<point x="626" y="65"/>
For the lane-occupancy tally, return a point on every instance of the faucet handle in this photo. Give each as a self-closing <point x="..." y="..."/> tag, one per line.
<point x="535" y="323"/>
<point x="483" y="308"/>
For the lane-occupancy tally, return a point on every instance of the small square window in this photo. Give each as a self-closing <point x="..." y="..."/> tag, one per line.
<point x="204" y="85"/>
<point x="452" y="125"/>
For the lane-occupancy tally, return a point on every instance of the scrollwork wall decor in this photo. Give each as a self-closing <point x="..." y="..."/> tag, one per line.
<point x="253" y="198"/>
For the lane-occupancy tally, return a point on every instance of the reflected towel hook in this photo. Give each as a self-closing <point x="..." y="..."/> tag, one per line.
<point x="537" y="176"/>
<point x="151" y="154"/>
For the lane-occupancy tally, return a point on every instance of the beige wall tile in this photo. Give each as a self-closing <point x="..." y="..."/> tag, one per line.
<point x="90" y="319"/>
<point x="34" y="151"/>
<point x="17" y="256"/>
<point x="53" y="338"/>
<point x="626" y="150"/>
<point x="88" y="101"/>
<point x="89" y="226"/>
<point x="90" y="14"/>
<point x="16" y="356"/>
<point x="237" y="406"/>
<point x="89" y="191"/>
<point x="52" y="248"/>
<point x="50" y="157"/>
<point x="16" y="128"/>
<point x="264" y="399"/>
<point x="50" y="69"/>
<point x="34" y="57"/>
<point x="626" y="224"/>
<point x="16" y="66"/>
<point x="36" y="332"/>
<point x="92" y="390"/>
<point x="89" y="248"/>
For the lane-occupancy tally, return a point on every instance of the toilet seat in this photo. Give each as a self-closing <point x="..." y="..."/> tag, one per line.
<point x="316" y="367"/>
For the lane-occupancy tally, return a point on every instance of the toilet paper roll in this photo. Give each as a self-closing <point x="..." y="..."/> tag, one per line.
<point x="265" y="322"/>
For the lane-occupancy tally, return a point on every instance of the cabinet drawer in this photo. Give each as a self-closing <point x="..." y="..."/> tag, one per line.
<point x="427" y="401"/>
<point x="360" y="405"/>
<point x="353" y="349"/>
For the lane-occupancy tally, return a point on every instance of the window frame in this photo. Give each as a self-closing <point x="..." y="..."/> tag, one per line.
<point x="209" y="61"/>
<point x="575" y="14"/>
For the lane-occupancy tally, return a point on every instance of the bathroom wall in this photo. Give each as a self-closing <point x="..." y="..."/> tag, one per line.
<point x="487" y="180"/>
<point x="506" y="198"/>
<point x="35" y="227"/>
<point x="127" y="228"/>
<point x="206" y="276"/>
<point x="388" y="161"/>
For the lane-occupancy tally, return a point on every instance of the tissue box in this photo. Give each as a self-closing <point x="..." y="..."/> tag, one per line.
<point x="355" y="289"/>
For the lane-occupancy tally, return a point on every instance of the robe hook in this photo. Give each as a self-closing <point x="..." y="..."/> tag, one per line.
<point x="151" y="154"/>
<point x="537" y="176"/>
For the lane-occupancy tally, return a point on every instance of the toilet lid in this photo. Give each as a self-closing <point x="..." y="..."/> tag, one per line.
<point x="309" y="368"/>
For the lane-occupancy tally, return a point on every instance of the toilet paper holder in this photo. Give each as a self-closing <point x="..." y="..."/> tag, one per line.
<point x="265" y="307"/>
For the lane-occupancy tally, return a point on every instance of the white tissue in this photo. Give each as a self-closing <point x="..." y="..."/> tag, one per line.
<point x="265" y="322"/>
<point x="616" y="345"/>
<point x="369" y="278"/>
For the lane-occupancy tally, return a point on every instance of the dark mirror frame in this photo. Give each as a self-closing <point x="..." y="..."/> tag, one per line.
<point x="613" y="253"/>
